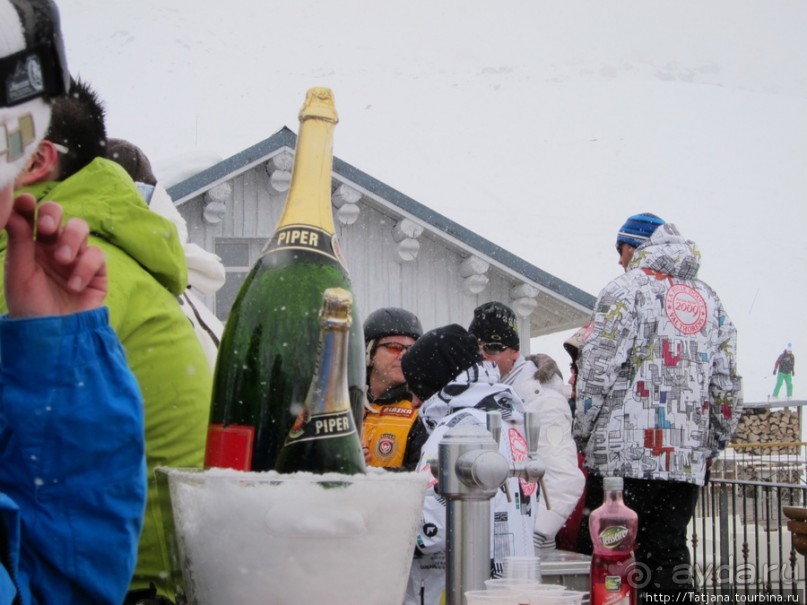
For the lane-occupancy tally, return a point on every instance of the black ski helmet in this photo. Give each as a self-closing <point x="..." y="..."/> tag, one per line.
<point x="391" y="321"/>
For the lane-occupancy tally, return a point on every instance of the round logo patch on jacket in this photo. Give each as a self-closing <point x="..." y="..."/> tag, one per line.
<point x="518" y="448"/>
<point x="386" y="445"/>
<point x="685" y="308"/>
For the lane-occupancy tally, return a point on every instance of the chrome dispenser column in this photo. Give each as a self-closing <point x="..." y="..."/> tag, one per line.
<point x="470" y="470"/>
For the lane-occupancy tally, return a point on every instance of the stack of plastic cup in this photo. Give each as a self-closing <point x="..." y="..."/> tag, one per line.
<point x="552" y="597"/>
<point x="493" y="597"/>
<point x="521" y="584"/>
<point x="528" y="566"/>
<point x="516" y="584"/>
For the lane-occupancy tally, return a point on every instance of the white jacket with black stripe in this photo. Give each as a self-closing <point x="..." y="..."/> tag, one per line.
<point x="467" y="399"/>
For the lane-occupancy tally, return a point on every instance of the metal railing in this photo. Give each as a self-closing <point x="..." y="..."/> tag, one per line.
<point x="739" y="540"/>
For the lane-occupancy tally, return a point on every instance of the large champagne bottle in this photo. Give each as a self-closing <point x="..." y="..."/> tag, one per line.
<point x="268" y="351"/>
<point x="324" y="439"/>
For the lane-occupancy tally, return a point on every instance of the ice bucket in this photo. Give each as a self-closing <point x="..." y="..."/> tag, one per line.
<point x="296" y="539"/>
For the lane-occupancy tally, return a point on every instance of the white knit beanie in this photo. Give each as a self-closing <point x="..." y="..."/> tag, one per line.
<point x="22" y="126"/>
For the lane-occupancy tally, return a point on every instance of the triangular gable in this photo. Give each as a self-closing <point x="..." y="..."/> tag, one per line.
<point x="571" y="306"/>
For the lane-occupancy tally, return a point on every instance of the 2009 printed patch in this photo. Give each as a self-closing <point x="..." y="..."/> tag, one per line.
<point x="685" y="308"/>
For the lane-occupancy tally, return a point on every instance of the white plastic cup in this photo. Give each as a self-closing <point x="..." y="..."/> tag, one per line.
<point x="492" y="597"/>
<point x="552" y="597"/>
<point x="527" y="566"/>
<point x="521" y="584"/>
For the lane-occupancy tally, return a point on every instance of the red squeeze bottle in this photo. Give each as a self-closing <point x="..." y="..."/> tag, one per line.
<point x="613" y="528"/>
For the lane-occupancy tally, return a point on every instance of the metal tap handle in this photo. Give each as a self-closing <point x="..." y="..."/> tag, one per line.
<point x="533" y="431"/>
<point x="494" y="422"/>
<point x="507" y="492"/>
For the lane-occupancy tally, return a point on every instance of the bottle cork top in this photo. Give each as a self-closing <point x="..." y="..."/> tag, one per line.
<point x="611" y="484"/>
<point x="319" y="105"/>
<point x="336" y="305"/>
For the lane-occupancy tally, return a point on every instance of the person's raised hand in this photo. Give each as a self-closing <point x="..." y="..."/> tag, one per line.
<point x="55" y="274"/>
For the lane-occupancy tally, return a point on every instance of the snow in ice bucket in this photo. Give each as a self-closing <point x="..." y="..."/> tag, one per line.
<point x="257" y="538"/>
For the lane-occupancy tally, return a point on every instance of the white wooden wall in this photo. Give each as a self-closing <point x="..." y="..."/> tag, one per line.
<point x="430" y="286"/>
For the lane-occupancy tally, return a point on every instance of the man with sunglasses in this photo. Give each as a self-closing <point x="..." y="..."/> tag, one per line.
<point x="391" y="434"/>
<point x="658" y="393"/>
<point x="72" y="469"/>
<point x="495" y="325"/>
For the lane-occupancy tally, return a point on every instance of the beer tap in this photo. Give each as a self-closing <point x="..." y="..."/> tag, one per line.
<point x="470" y="470"/>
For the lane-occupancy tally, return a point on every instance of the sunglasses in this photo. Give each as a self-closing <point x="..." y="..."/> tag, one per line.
<point x="493" y="348"/>
<point x="396" y="348"/>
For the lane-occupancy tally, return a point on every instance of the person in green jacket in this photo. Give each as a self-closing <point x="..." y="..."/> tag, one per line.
<point x="146" y="269"/>
<point x="784" y="369"/>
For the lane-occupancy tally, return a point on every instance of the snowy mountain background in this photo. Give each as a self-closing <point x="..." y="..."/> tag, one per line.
<point x="540" y="125"/>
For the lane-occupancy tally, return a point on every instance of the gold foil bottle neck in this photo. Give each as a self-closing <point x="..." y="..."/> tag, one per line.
<point x="336" y="305"/>
<point x="319" y="104"/>
<point x="308" y="201"/>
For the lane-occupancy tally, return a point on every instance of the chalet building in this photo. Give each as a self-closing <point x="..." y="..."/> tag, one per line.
<point x="400" y="253"/>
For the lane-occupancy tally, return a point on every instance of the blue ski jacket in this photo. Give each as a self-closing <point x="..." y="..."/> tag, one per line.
<point x="72" y="466"/>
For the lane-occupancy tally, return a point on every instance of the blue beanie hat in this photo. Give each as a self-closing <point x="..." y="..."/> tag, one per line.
<point x="638" y="229"/>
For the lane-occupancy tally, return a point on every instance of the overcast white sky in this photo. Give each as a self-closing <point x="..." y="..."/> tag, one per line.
<point x="540" y="125"/>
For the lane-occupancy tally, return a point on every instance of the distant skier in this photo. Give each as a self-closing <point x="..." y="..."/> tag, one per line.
<point x="785" y="366"/>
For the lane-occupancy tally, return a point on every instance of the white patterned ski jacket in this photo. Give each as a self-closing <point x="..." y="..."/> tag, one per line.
<point x="658" y="392"/>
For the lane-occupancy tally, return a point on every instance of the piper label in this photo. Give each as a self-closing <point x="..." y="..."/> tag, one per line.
<point x="303" y="237"/>
<point x="322" y="426"/>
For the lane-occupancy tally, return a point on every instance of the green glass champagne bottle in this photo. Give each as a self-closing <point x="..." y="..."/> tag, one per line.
<point x="267" y="355"/>
<point x="324" y="439"/>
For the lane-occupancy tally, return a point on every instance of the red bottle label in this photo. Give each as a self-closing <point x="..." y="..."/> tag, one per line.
<point x="611" y="580"/>
<point x="612" y="591"/>
<point x="229" y="446"/>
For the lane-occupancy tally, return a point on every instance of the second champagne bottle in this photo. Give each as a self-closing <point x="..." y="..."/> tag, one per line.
<point x="324" y="439"/>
